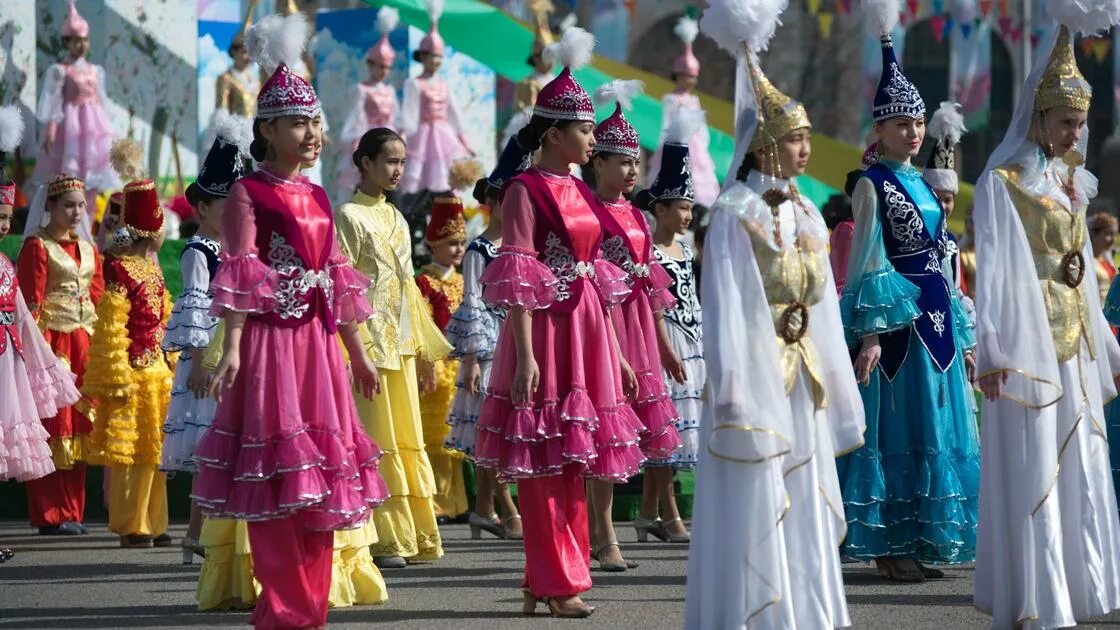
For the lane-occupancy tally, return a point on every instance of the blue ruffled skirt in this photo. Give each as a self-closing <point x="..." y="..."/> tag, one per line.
<point x="913" y="488"/>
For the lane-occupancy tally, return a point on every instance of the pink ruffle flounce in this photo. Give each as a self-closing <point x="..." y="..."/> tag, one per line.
<point x="657" y="287"/>
<point x="348" y="292"/>
<point x="286" y="437"/>
<point x="243" y="284"/>
<point x="517" y="279"/>
<point x="611" y="282"/>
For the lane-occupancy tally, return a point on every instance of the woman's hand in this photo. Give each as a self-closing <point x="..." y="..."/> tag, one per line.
<point x="366" y="379"/>
<point x="426" y="375"/>
<point x="991" y="385"/>
<point x="225" y="373"/>
<point x="472" y="375"/>
<point x="198" y="381"/>
<point x="868" y="359"/>
<point x="629" y="379"/>
<point x="526" y="379"/>
<point x="970" y="366"/>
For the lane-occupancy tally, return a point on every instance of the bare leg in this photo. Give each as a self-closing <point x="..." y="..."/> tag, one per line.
<point x="602" y="531"/>
<point x="650" y="495"/>
<point x="509" y="509"/>
<point x="663" y="480"/>
<point x="484" y="496"/>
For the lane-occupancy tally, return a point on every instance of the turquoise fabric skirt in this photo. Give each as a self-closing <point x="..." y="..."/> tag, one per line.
<point x="1112" y="427"/>
<point x="913" y="488"/>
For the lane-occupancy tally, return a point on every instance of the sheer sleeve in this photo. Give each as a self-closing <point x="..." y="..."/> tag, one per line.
<point x="49" y="111"/>
<point x="410" y="112"/>
<point x="191" y="324"/>
<point x="31" y="266"/>
<point x="243" y="283"/>
<point x="52" y="384"/>
<point x="876" y="298"/>
<point x="516" y="278"/>
<point x="348" y="296"/>
<point x="355" y="124"/>
<point x="101" y="93"/>
<point x="840" y="250"/>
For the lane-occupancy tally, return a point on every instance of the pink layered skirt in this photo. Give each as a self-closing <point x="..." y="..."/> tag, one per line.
<point x="637" y="338"/>
<point x="431" y="150"/>
<point x="579" y="414"/>
<point x="81" y="147"/>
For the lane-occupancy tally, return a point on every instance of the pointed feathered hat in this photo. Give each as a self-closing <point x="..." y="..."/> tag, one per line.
<point x="382" y="52"/>
<point x="945" y="128"/>
<point x="615" y="134"/>
<point x="564" y="98"/>
<point x="276" y="43"/>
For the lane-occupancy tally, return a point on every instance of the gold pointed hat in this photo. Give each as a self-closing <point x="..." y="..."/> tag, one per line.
<point x="542" y="33"/>
<point x="246" y="23"/>
<point x="778" y="114"/>
<point x="1062" y="83"/>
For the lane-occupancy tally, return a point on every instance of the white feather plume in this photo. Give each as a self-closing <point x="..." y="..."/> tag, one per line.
<point x="574" y="50"/>
<point x="947" y="123"/>
<point x="686" y="29"/>
<point x="568" y="22"/>
<point x="735" y="23"/>
<point x="435" y="9"/>
<point x="684" y="125"/>
<point x="233" y="129"/>
<point x="619" y="90"/>
<point x="11" y="128"/>
<point x="881" y="15"/>
<point x="1087" y="17"/>
<point x="277" y="39"/>
<point x="387" y="19"/>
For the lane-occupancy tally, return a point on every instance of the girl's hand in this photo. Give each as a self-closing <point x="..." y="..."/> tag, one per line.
<point x="526" y="379"/>
<point x="992" y="385"/>
<point x="366" y="379"/>
<point x="970" y="366"/>
<point x="629" y="379"/>
<point x="426" y="375"/>
<point x="198" y="381"/>
<point x="868" y="359"/>
<point x="671" y="363"/>
<point x="225" y="373"/>
<point x="472" y="376"/>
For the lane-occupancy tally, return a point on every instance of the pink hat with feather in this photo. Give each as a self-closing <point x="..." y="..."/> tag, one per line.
<point x="75" y="25"/>
<point x="563" y="98"/>
<point x="274" y="43"/>
<point x="433" y="42"/>
<point x="687" y="64"/>
<point x="615" y="134"/>
<point x="382" y="52"/>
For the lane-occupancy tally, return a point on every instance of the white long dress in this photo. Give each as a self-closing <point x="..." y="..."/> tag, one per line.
<point x="766" y="531"/>
<point x="1048" y="551"/>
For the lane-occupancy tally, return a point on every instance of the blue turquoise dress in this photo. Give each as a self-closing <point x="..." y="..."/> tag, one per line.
<point x="1112" y="409"/>
<point x="912" y="490"/>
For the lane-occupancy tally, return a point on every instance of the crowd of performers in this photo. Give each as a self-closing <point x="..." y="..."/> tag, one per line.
<point x="324" y="395"/>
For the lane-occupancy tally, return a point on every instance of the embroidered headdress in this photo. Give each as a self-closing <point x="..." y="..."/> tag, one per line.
<point x="615" y="134"/>
<point x="778" y="114"/>
<point x="433" y="42"/>
<point x="11" y="135"/>
<point x="276" y="43"/>
<point x="512" y="161"/>
<point x="142" y="215"/>
<point x="382" y="52"/>
<point x="225" y="163"/>
<point x="896" y="95"/>
<point x="447" y="220"/>
<point x="75" y="25"/>
<point x="674" y="177"/>
<point x="563" y="98"/>
<point x="945" y="127"/>
<point x="1062" y="83"/>
<point x="687" y="64"/>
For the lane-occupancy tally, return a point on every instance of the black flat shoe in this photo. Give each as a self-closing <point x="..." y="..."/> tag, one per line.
<point x="163" y="540"/>
<point x="65" y="529"/>
<point x="6" y="555"/>
<point x="133" y="541"/>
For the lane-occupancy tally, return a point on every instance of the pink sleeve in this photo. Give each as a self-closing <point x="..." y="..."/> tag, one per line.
<point x="840" y="250"/>
<point x="516" y="277"/>
<point x="349" y="303"/>
<point x="243" y="283"/>
<point x="661" y="298"/>
<point x="52" y="384"/>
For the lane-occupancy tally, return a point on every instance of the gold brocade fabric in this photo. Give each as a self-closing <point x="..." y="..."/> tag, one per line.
<point x="1055" y="234"/>
<point x="794" y="280"/>
<point x="374" y="236"/>
<point x="1062" y="84"/>
<point x="968" y="269"/>
<point x="66" y="301"/>
<point x="527" y="90"/>
<point x="234" y="96"/>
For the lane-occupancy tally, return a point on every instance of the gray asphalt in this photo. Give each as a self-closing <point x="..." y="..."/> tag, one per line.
<point x="89" y="582"/>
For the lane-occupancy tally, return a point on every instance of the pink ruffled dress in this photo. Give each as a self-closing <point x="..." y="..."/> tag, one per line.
<point x="628" y="245"/>
<point x="373" y="106"/>
<point x="73" y="105"/>
<point x="34" y="385"/>
<point x="286" y="437"/>
<point x="550" y="264"/>
<point x="432" y="126"/>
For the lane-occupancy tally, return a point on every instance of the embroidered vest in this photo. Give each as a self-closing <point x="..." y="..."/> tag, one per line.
<point x="685" y="314"/>
<point x="66" y="301"/>
<point x="620" y="249"/>
<point x="305" y="290"/>
<point x="9" y="287"/>
<point x="553" y="240"/>
<point x="917" y="256"/>
<point x="208" y="248"/>
<point x="489" y="253"/>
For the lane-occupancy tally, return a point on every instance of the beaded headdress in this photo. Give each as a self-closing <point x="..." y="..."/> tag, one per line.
<point x="615" y="134"/>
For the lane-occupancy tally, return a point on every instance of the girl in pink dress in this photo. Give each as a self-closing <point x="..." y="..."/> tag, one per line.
<point x="638" y="320"/>
<point x="286" y="450"/>
<point x="686" y="71"/>
<point x="430" y="120"/>
<point x="72" y="106"/>
<point x="556" y="410"/>
<point x="374" y="101"/>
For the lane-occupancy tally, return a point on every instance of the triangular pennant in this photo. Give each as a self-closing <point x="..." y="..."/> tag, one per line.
<point x="842" y="6"/>
<point x="985" y="7"/>
<point x="938" y="7"/>
<point x="966" y="30"/>
<point x="824" y="21"/>
<point x="1003" y="10"/>
<point x="1004" y="24"/>
<point x="814" y="6"/>
<point x="948" y="28"/>
<point x="1100" y="48"/>
<point x="913" y="6"/>
<point x="1087" y="46"/>
<point x="937" y="25"/>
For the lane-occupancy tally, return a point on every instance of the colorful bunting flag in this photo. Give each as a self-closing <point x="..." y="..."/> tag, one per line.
<point x="814" y="6"/>
<point x="824" y="21"/>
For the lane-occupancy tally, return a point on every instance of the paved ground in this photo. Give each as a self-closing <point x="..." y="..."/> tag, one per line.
<point x="89" y="582"/>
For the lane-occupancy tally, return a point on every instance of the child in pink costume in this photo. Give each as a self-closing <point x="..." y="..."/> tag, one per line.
<point x="374" y="101"/>
<point x="686" y="71"/>
<point x="72" y="106"/>
<point x="638" y="320"/>
<point x="286" y="450"/>
<point x="430" y="120"/>
<point x="556" y="410"/>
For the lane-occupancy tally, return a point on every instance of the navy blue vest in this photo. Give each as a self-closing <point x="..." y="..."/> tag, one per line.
<point x="916" y="255"/>
<point x="210" y="249"/>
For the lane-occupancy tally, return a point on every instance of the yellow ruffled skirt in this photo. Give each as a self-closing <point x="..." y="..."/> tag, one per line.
<point x="226" y="580"/>
<point x="450" y="497"/>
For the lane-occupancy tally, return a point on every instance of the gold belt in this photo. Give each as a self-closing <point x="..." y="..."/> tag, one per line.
<point x="793" y="322"/>
<point x="1068" y="268"/>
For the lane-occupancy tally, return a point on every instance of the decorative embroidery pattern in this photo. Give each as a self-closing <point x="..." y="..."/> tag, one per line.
<point x="904" y="220"/>
<point x="295" y="281"/>
<point x="686" y="314"/>
<point x="938" y="319"/>
<point x="564" y="265"/>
